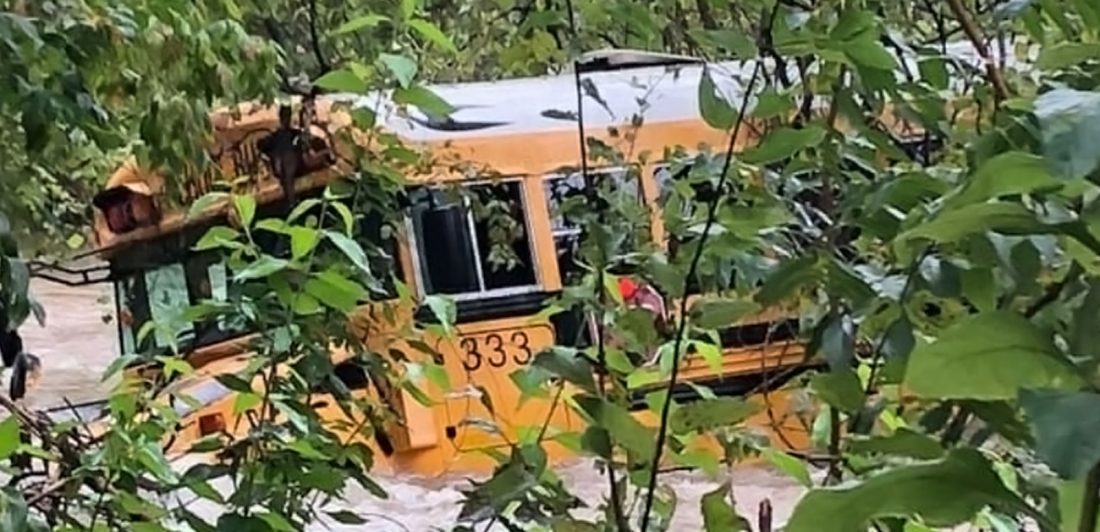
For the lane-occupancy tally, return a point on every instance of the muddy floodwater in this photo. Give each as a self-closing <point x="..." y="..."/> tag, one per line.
<point x="80" y="340"/>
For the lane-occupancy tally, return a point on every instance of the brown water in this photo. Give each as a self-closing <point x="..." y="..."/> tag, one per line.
<point x="77" y="345"/>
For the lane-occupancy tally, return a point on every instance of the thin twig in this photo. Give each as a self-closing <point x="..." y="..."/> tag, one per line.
<point x="996" y="77"/>
<point x="712" y="215"/>
<point x="1090" y="501"/>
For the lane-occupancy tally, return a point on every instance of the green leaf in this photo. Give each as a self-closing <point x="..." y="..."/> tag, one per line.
<point x="1066" y="54"/>
<point x="790" y="277"/>
<point x="716" y="111"/>
<point x="347" y="518"/>
<point x="568" y="364"/>
<point x="408" y="8"/>
<point x="789" y="465"/>
<point x="1084" y="332"/>
<point x="1070" y="123"/>
<point x="1066" y="426"/>
<point x="783" y="143"/>
<point x="871" y="54"/>
<point x="424" y="99"/>
<point x="403" y="68"/>
<point x="351" y="250"/>
<point x="358" y="23"/>
<point x="335" y="291"/>
<point x="444" y="310"/>
<point x="346" y="216"/>
<point x="838" y="342"/>
<point x="216" y="237"/>
<point x="233" y="382"/>
<point x="840" y="389"/>
<point x="245" y="401"/>
<point x="432" y="33"/>
<point x="277" y="522"/>
<point x="261" y="267"/>
<point x="955" y="224"/>
<point x="903" y="442"/>
<point x="343" y="80"/>
<point x="734" y="41"/>
<point x="1006" y="174"/>
<point x="245" y="205"/>
<point x="627" y="431"/>
<point x="943" y="493"/>
<point x="719" y="313"/>
<point x="9" y="436"/>
<point x="988" y="356"/>
<point x="718" y="514"/>
<point x="303" y="240"/>
<point x="299" y="210"/>
<point x="237" y="523"/>
<point x="854" y="24"/>
<point x="205" y="202"/>
<point x="710" y="414"/>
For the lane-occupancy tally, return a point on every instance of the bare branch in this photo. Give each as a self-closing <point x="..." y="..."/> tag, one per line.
<point x="996" y="77"/>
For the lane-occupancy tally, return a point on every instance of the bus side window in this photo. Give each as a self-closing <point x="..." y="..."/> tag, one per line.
<point x="453" y="246"/>
<point x="565" y="194"/>
<point x="668" y="178"/>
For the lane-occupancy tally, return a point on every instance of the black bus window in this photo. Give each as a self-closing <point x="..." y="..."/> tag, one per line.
<point x="565" y="194"/>
<point x="453" y="246"/>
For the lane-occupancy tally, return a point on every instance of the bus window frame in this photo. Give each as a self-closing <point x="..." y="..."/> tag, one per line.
<point x="413" y="243"/>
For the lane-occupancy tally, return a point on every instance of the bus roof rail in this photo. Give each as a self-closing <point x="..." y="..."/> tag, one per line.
<point x="624" y="58"/>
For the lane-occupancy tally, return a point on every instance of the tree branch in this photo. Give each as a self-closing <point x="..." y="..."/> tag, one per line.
<point x="1090" y="501"/>
<point x="996" y="77"/>
<point x="315" y="38"/>
<point x="712" y="216"/>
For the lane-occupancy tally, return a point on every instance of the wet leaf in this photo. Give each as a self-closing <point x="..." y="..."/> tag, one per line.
<point x="943" y="493"/>
<point x="1066" y="427"/>
<point x="711" y="414"/>
<point x="720" y="313"/>
<point x="245" y="207"/>
<point x="789" y="465"/>
<point x="840" y="389"/>
<point x="9" y="436"/>
<point x="903" y="442"/>
<point x="1004" y="175"/>
<point x="716" y="111"/>
<point x="424" y="99"/>
<point x="783" y="143"/>
<point x="343" y="80"/>
<point x="432" y="33"/>
<point x="201" y="205"/>
<point x="1065" y="54"/>
<point x="216" y="237"/>
<point x="1070" y="122"/>
<point x="568" y="364"/>
<point x="988" y="356"/>
<point x="403" y="68"/>
<point x="790" y="277"/>
<point x="444" y="310"/>
<point x="361" y="22"/>
<point x="347" y="518"/>
<point x="335" y="291"/>
<point x="303" y="240"/>
<point x="623" y="428"/>
<point x="261" y="267"/>
<point x="718" y="514"/>
<point x="955" y="224"/>
<point x="351" y="249"/>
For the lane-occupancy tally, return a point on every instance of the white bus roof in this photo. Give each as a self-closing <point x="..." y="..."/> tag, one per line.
<point x="669" y="92"/>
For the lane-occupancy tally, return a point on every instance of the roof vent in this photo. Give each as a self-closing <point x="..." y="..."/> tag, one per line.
<point x="622" y="59"/>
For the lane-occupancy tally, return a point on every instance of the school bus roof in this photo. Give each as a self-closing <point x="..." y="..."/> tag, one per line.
<point x="538" y="114"/>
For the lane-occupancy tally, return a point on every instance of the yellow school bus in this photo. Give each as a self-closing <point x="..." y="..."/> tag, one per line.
<point x="523" y="132"/>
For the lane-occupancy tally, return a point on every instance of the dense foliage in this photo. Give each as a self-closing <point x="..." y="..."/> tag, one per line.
<point x="947" y="280"/>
